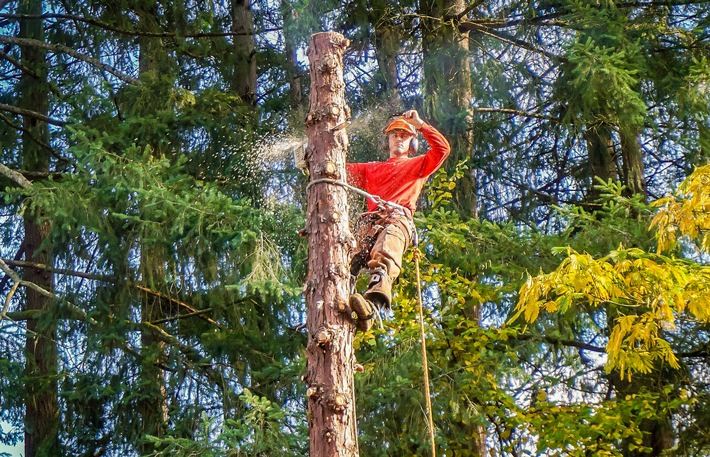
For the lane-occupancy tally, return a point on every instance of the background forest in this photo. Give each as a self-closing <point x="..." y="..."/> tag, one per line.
<point x="152" y="273"/>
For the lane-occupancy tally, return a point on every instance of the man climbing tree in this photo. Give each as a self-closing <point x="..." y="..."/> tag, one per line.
<point x="386" y="229"/>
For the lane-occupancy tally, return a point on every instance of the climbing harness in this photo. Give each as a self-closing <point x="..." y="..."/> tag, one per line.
<point x="417" y="254"/>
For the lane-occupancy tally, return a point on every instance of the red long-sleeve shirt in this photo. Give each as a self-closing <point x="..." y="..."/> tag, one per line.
<point x="400" y="180"/>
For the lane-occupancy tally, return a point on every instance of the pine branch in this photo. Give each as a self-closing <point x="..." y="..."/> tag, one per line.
<point x="199" y="361"/>
<point x="29" y="113"/>
<point x="516" y="112"/>
<point x="17" y="281"/>
<point x="18" y="255"/>
<point x="189" y="308"/>
<point x="79" y="313"/>
<point x="468" y="9"/>
<point x="505" y="38"/>
<point x="109" y="27"/>
<point x="69" y="51"/>
<point x="549" y="19"/>
<point x="15" y="176"/>
<point x="29" y="134"/>
<point x="181" y="316"/>
<point x="110" y="279"/>
<point x="561" y="342"/>
<point x="17" y="64"/>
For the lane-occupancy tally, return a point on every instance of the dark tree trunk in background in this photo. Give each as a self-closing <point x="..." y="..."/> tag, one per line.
<point x="292" y="67"/>
<point x="600" y="152"/>
<point x="632" y="163"/>
<point x="448" y="95"/>
<point x="152" y="403"/>
<point x="41" y="396"/>
<point x="388" y="41"/>
<point x="330" y="354"/>
<point x="449" y="90"/>
<point x="244" y="81"/>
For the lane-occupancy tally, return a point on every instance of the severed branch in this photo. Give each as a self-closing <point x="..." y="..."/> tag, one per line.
<point x="69" y="51"/>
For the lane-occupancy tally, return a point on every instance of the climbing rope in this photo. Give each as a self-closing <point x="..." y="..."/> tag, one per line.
<point x="358" y="191"/>
<point x="425" y="364"/>
<point x="417" y="254"/>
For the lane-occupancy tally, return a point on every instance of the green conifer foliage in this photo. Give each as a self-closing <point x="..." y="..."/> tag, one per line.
<point x="172" y="272"/>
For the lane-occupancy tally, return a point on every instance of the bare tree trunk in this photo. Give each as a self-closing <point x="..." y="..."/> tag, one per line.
<point x="244" y="81"/>
<point x="41" y="397"/>
<point x="330" y="354"/>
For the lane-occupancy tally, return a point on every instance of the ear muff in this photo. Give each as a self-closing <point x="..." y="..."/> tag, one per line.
<point x="413" y="145"/>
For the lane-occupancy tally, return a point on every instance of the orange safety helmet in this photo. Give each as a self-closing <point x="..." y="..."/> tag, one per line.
<point x="401" y="124"/>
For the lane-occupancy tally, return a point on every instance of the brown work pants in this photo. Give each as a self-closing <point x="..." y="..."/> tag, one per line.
<point x="383" y="238"/>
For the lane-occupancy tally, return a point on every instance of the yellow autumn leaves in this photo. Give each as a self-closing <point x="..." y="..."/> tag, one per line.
<point x="643" y="294"/>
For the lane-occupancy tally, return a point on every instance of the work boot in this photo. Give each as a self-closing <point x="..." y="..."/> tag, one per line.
<point x="365" y="311"/>
<point x="379" y="290"/>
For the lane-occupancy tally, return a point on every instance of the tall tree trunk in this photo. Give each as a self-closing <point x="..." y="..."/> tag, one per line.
<point x="388" y="42"/>
<point x="152" y="405"/>
<point x="703" y="140"/>
<point x="292" y="67"/>
<point x="600" y="153"/>
<point x="330" y="354"/>
<point x="41" y="402"/>
<point x="244" y="81"/>
<point x="632" y="163"/>
<point x="658" y="434"/>
<point x="449" y="91"/>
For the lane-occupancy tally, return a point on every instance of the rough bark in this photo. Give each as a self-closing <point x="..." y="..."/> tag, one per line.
<point x="41" y="401"/>
<point x="330" y="354"/>
<point x="244" y="81"/>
